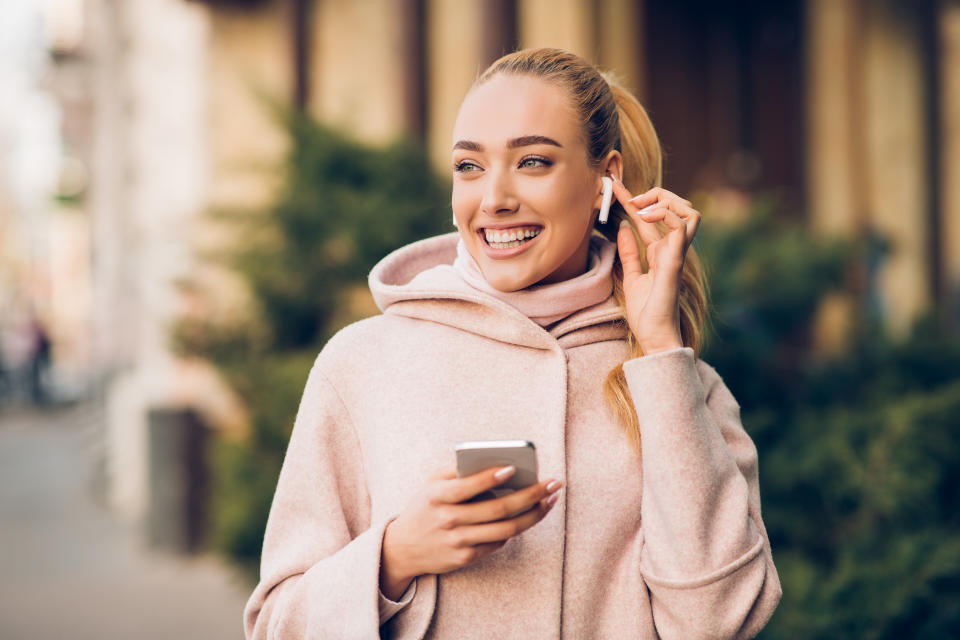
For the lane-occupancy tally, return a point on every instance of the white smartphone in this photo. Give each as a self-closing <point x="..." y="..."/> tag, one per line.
<point x="477" y="455"/>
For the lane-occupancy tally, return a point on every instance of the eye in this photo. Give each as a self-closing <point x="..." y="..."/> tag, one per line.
<point x="534" y="162"/>
<point x="465" y="166"/>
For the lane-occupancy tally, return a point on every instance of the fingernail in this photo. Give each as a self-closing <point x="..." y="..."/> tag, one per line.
<point x="504" y="473"/>
<point x="648" y="209"/>
<point x="552" y="499"/>
<point x="624" y="223"/>
<point x="553" y="486"/>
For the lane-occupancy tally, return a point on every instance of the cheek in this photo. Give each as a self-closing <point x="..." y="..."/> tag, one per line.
<point x="463" y="198"/>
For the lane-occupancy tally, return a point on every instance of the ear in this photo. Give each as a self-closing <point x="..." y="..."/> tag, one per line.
<point x="611" y="165"/>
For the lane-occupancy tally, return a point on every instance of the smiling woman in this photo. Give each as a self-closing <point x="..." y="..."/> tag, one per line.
<point x="535" y="321"/>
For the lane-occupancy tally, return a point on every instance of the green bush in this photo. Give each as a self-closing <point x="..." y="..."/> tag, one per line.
<point x="859" y="455"/>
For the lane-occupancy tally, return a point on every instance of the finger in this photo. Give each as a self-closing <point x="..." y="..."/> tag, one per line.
<point x="670" y="255"/>
<point x="648" y="232"/>
<point x="689" y="216"/>
<point x="444" y="473"/>
<point x="666" y="276"/>
<point x="457" y="490"/>
<point x="657" y="194"/>
<point x="629" y="252"/>
<point x="658" y="212"/>
<point x="506" y="506"/>
<point x="692" y="223"/>
<point x="673" y="221"/>
<point x="505" y="529"/>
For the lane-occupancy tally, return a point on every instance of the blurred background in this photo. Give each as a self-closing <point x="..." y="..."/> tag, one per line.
<point x="193" y="191"/>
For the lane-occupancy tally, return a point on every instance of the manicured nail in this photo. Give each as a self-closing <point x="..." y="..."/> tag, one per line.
<point x="624" y="223"/>
<point x="553" y="486"/>
<point x="504" y="473"/>
<point x="552" y="499"/>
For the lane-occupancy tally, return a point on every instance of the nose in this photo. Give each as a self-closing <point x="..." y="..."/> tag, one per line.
<point x="498" y="193"/>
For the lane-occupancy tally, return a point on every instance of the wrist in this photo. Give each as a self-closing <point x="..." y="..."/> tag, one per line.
<point x="395" y="574"/>
<point x="649" y="350"/>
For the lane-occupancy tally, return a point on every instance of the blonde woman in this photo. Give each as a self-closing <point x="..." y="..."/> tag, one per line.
<point x="535" y="321"/>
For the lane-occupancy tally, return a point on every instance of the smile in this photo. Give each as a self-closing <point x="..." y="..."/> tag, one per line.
<point x="510" y="238"/>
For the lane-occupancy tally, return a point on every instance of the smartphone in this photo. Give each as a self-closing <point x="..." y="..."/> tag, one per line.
<point x="477" y="455"/>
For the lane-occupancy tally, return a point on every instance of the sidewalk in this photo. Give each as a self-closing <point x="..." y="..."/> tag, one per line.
<point x="69" y="569"/>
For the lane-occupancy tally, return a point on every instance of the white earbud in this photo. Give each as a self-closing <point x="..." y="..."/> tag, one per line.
<point x="455" y="220"/>
<point x="607" y="197"/>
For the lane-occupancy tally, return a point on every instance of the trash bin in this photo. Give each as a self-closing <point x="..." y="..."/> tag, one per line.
<point x="177" y="479"/>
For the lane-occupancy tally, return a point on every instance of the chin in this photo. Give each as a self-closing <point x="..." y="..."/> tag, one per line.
<point x="507" y="282"/>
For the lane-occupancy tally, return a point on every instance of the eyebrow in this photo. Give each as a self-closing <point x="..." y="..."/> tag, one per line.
<point x="513" y="143"/>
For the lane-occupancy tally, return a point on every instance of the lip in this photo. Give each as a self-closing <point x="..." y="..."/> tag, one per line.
<point x="502" y="254"/>
<point x="499" y="226"/>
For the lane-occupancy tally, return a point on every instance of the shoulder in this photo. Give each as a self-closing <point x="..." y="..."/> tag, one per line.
<point x="344" y="347"/>
<point x="375" y="344"/>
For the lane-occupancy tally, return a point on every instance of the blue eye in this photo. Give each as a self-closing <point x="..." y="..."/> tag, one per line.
<point x="534" y="162"/>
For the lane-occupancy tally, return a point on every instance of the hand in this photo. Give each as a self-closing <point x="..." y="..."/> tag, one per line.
<point x="652" y="298"/>
<point x="436" y="533"/>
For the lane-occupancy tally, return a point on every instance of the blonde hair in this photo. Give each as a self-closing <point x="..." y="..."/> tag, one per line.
<point x="612" y="118"/>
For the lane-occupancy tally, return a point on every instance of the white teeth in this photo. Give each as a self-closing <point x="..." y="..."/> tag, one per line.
<point x="509" y="239"/>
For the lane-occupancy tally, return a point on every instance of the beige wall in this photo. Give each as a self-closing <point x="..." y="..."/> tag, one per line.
<point x="950" y="151"/>
<point x="866" y="163"/>
<point x="895" y="156"/>
<point x="620" y="42"/>
<point x="454" y="60"/>
<point x="832" y="96"/>
<point x="357" y="64"/>
<point x="248" y="66"/>
<point x="567" y="24"/>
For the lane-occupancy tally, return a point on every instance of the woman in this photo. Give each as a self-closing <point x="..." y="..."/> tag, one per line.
<point x="647" y="521"/>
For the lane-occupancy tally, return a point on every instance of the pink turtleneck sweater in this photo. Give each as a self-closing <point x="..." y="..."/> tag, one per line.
<point x="547" y="304"/>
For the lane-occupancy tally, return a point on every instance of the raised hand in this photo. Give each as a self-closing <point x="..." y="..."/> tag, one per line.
<point x="652" y="297"/>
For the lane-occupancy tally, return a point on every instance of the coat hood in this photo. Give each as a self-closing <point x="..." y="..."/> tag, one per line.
<point x="419" y="281"/>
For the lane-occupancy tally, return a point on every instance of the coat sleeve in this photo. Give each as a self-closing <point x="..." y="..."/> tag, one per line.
<point x="705" y="558"/>
<point x="320" y="565"/>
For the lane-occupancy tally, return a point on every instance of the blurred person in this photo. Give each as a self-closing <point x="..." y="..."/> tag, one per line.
<point x="17" y="347"/>
<point x="535" y="321"/>
<point x="39" y="366"/>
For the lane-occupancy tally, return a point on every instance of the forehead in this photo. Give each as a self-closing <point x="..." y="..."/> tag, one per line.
<point x="510" y="106"/>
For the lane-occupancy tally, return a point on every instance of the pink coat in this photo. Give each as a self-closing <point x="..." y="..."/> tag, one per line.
<point x="668" y="545"/>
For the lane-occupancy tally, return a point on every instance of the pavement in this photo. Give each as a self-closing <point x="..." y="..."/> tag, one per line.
<point x="69" y="568"/>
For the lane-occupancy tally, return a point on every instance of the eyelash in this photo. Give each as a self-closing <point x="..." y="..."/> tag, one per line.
<point x="460" y="167"/>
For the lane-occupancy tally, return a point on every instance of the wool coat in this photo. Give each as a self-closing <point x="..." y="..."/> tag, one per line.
<point x="665" y="544"/>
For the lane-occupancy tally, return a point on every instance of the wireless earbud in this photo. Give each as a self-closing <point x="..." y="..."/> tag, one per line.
<point x="607" y="196"/>
<point x="455" y="220"/>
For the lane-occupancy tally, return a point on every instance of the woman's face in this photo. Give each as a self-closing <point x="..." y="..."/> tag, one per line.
<point x="524" y="195"/>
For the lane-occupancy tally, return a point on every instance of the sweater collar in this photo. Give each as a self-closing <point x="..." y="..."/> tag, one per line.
<point x="549" y="303"/>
